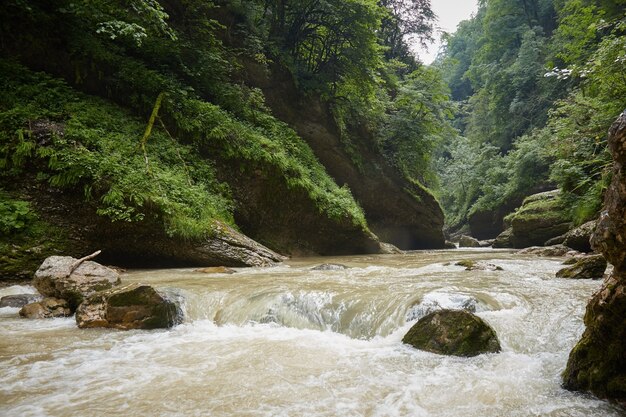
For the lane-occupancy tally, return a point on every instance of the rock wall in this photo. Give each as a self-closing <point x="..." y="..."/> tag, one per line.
<point x="397" y="210"/>
<point x="598" y="362"/>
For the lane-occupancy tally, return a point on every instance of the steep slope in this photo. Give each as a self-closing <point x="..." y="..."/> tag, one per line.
<point x="397" y="210"/>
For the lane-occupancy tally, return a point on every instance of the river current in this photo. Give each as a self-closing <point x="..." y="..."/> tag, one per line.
<point x="290" y="341"/>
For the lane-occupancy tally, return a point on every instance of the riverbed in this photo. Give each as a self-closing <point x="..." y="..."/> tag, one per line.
<point x="291" y="341"/>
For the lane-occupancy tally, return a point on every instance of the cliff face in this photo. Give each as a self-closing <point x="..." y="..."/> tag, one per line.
<point x="598" y="362"/>
<point x="397" y="211"/>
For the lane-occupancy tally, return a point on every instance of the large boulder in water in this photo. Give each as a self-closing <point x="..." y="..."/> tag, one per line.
<point x="541" y="217"/>
<point x="60" y="277"/>
<point x="134" y="306"/>
<point x="598" y="361"/>
<point x="504" y="239"/>
<point x="468" y="242"/>
<point x="592" y="266"/>
<point x="580" y="237"/>
<point x="453" y="332"/>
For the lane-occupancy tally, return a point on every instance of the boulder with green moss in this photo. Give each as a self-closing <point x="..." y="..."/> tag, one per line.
<point x="134" y="306"/>
<point x="592" y="266"/>
<point x="598" y="361"/>
<point x="541" y="217"/>
<point x="468" y="242"/>
<point x="504" y="239"/>
<point x="453" y="332"/>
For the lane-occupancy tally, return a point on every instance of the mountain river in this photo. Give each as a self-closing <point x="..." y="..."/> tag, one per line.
<point x="290" y="341"/>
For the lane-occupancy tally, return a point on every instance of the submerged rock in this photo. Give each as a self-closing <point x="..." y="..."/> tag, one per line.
<point x="592" y="266"/>
<point x="449" y="245"/>
<point x="555" y="250"/>
<point x="216" y="270"/>
<point x="468" y="242"/>
<point x="56" y="277"/>
<point x="471" y="265"/>
<point x="47" y="308"/>
<point x="19" y="300"/>
<point x="329" y="267"/>
<point x="598" y="361"/>
<point x="134" y="306"/>
<point x="453" y="332"/>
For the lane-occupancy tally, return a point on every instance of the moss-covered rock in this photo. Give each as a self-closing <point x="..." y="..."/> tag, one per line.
<point x="468" y="242"/>
<point x="134" y="306"/>
<point x="453" y="332"/>
<point x="592" y="266"/>
<point x="504" y="239"/>
<point x="471" y="265"/>
<point x="540" y="218"/>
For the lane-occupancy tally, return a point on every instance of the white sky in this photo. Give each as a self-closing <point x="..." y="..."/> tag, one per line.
<point x="449" y="14"/>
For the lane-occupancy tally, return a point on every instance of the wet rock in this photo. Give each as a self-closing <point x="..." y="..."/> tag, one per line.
<point x="468" y="242"/>
<point x="329" y="267"/>
<point x="439" y="302"/>
<point x="555" y="241"/>
<point x="592" y="266"/>
<point x="47" y="308"/>
<point x="486" y="243"/>
<point x="19" y="300"/>
<point x="453" y="332"/>
<point x="216" y="270"/>
<point x="556" y="250"/>
<point x="598" y="361"/>
<point x="449" y="245"/>
<point x="471" y="265"/>
<point x="541" y="217"/>
<point x="504" y="240"/>
<point x="389" y="249"/>
<point x="57" y="278"/>
<point x="579" y="238"/>
<point x="134" y="306"/>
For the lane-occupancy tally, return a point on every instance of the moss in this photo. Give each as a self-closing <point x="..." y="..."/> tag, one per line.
<point x="453" y="332"/>
<point x="25" y="249"/>
<point x="467" y="263"/>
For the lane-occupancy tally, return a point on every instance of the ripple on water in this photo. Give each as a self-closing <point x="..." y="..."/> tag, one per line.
<point x="224" y="361"/>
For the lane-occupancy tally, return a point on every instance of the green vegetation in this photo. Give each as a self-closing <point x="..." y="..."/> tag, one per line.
<point x="538" y="84"/>
<point x="146" y="110"/>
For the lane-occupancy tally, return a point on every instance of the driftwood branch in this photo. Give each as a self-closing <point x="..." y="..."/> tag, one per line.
<point x="77" y="263"/>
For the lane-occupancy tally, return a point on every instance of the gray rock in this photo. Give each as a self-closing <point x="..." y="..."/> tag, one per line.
<point x="329" y="267"/>
<point x="580" y="237"/>
<point x="556" y="250"/>
<point x="55" y="278"/>
<point x="19" y="300"/>
<point x="133" y="306"/>
<point x="449" y="245"/>
<point x="468" y="242"/>
<point x="453" y="332"/>
<point x="47" y="308"/>
<point x="591" y="266"/>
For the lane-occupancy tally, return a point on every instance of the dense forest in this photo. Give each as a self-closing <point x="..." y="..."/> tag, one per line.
<point x="310" y="126"/>
<point x="535" y="86"/>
